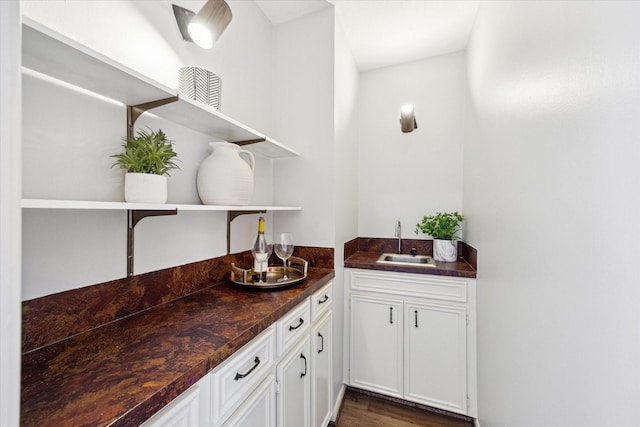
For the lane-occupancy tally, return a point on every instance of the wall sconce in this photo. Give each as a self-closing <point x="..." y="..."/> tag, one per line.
<point x="407" y="119"/>
<point x="205" y="27"/>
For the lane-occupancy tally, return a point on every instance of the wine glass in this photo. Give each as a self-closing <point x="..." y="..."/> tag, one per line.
<point x="284" y="248"/>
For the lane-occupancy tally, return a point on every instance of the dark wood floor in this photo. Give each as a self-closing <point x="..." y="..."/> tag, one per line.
<point x="362" y="410"/>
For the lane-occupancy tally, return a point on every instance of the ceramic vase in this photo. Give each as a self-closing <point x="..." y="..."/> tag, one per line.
<point x="445" y="250"/>
<point x="145" y="188"/>
<point x="224" y="178"/>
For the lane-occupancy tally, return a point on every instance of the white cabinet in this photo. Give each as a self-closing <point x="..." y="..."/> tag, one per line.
<point x="435" y="357"/>
<point x="182" y="412"/>
<point x="292" y="374"/>
<point x="259" y="410"/>
<point x="412" y="336"/>
<point x="304" y="374"/>
<point x="321" y="370"/>
<point x="376" y="344"/>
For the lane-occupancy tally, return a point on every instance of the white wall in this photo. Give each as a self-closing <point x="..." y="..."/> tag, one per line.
<point x="315" y="83"/>
<point x="551" y="193"/>
<point x="346" y="183"/>
<point x="408" y="175"/>
<point x="10" y="222"/>
<point x="303" y="116"/>
<point x="69" y="136"/>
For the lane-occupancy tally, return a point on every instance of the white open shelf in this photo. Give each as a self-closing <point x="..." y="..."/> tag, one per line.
<point x="95" y="205"/>
<point x="48" y="52"/>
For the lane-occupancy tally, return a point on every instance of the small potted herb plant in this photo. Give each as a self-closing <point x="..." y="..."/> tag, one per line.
<point x="148" y="157"/>
<point x="442" y="227"/>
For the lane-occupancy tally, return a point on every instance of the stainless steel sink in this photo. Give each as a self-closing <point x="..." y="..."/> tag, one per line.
<point x="406" y="259"/>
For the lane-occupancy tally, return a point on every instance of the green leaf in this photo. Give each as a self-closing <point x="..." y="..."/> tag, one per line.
<point x="443" y="226"/>
<point x="147" y="152"/>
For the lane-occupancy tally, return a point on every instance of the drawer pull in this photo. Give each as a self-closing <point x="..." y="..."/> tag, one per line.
<point x="391" y="315"/>
<point x="239" y="376"/>
<point x="324" y="299"/>
<point x="305" y="365"/>
<point x="416" y="312"/>
<point x="292" y="328"/>
<point x="321" y="343"/>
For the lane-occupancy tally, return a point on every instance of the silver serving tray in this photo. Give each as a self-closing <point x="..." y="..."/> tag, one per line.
<point x="296" y="274"/>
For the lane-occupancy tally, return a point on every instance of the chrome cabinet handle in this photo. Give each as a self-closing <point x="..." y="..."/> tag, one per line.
<point x="301" y="320"/>
<point x="239" y="376"/>
<point x="305" y="365"/>
<point x="324" y="299"/>
<point x="321" y="343"/>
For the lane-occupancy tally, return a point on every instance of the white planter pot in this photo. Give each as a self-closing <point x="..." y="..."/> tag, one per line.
<point x="145" y="188"/>
<point x="224" y="178"/>
<point x="445" y="250"/>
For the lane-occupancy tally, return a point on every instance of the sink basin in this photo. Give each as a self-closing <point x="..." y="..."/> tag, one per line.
<point x="406" y="259"/>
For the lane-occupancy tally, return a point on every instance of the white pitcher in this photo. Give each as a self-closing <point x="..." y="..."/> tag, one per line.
<point x="224" y="178"/>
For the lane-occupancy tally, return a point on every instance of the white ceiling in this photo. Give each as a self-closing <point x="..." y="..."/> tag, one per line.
<point x="279" y="11"/>
<point x="388" y="32"/>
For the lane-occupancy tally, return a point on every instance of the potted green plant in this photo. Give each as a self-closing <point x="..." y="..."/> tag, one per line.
<point x="443" y="227"/>
<point x="147" y="158"/>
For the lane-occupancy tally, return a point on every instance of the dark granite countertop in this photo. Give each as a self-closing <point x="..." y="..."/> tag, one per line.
<point x="124" y="371"/>
<point x="363" y="252"/>
<point x="367" y="261"/>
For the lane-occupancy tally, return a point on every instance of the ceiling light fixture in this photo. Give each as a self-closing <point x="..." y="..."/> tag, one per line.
<point x="205" y="27"/>
<point x="407" y="119"/>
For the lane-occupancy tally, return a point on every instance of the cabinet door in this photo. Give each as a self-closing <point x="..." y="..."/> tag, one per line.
<point x="259" y="410"/>
<point x="321" y="370"/>
<point x="436" y="355"/>
<point x="293" y="398"/>
<point x="376" y="344"/>
<point x="182" y="412"/>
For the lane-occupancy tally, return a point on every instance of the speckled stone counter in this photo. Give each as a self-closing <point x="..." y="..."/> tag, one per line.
<point x="122" y="372"/>
<point x="364" y="252"/>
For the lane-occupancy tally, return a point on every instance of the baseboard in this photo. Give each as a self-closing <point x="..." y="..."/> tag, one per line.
<point x="338" y="405"/>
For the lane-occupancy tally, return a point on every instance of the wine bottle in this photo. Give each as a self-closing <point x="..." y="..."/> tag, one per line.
<point x="260" y="253"/>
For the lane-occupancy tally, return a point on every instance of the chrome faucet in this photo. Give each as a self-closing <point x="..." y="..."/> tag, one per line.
<point x="398" y="234"/>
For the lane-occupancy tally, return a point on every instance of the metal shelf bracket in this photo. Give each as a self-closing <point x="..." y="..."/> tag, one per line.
<point x="250" y="141"/>
<point x="133" y="218"/>
<point x="231" y="215"/>
<point x="135" y="111"/>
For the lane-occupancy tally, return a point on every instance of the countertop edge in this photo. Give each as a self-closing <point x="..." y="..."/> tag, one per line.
<point x="367" y="261"/>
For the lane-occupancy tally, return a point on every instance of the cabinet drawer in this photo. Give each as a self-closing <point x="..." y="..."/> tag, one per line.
<point x="259" y="409"/>
<point x="407" y="284"/>
<point x="292" y="326"/>
<point x="183" y="411"/>
<point x="236" y="379"/>
<point x="321" y="301"/>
